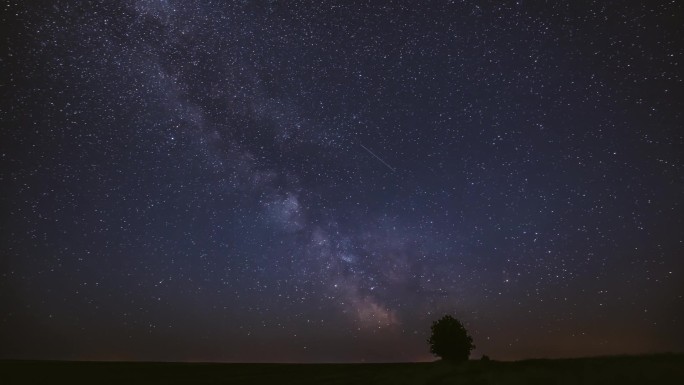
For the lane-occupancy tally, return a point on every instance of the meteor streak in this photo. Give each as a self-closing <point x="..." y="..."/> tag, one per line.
<point x="377" y="157"/>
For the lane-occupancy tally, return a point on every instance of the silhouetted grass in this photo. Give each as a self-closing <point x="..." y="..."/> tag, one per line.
<point x="653" y="369"/>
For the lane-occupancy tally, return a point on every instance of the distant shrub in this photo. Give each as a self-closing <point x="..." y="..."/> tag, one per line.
<point x="484" y="358"/>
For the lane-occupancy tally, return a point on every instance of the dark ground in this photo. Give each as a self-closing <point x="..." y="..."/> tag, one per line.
<point x="653" y="369"/>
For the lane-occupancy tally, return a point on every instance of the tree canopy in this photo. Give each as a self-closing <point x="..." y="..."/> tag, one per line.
<point x="450" y="340"/>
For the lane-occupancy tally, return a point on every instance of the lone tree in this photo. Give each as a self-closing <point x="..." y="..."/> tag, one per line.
<point x="450" y="340"/>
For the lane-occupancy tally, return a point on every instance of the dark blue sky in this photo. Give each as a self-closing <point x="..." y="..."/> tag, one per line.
<point x="299" y="182"/>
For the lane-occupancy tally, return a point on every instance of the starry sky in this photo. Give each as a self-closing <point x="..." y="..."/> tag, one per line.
<point x="309" y="181"/>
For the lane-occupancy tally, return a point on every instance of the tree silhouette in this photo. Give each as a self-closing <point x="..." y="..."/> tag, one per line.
<point x="450" y="340"/>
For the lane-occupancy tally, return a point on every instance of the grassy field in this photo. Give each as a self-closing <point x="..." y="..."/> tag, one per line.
<point x="653" y="369"/>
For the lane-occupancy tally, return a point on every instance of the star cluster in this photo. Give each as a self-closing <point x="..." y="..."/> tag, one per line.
<point x="311" y="181"/>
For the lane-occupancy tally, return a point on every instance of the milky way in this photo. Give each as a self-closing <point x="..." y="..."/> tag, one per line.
<point x="306" y="182"/>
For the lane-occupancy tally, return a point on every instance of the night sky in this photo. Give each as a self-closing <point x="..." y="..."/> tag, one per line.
<point x="304" y="182"/>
